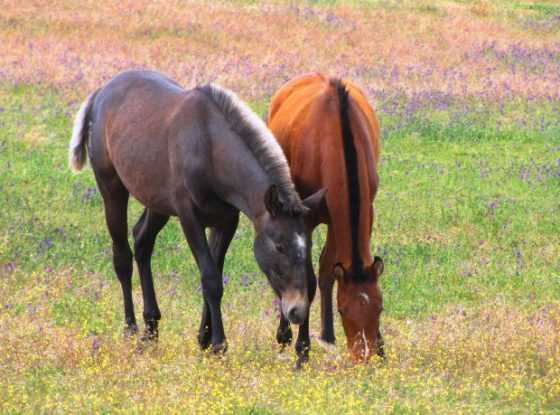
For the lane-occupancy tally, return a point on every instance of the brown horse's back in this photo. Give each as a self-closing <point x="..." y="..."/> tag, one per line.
<point x="304" y="116"/>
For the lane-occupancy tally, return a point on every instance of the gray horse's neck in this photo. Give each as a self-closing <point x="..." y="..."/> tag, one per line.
<point x="243" y="181"/>
<point x="249" y="197"/>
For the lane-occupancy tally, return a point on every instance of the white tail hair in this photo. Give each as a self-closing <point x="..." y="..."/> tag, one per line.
<point x="77" y="148"/>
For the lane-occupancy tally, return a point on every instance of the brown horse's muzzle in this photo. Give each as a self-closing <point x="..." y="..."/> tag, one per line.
<point x="362" y="347"/>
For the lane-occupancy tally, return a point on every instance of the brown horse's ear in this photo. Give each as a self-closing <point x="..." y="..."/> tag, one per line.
<point x="272" y="201"/>
<point x="339" y="271"/>
<point x="315" y="201"/>
<point x="377" y="267"/>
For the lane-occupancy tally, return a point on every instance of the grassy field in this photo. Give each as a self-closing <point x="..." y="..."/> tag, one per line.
<point x="468" y="94"/>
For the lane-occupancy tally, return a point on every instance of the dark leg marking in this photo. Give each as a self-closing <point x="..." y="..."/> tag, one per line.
<point x="220" y="238"/>
<point x="145" y="233"/>
<point x="115" y="199"/>
<point x="303" y="343"/>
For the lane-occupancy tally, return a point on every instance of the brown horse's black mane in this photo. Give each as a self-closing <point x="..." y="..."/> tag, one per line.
<point x="351" y="158"/>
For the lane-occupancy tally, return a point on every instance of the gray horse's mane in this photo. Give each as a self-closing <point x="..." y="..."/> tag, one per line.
<point x="260" y="141"/>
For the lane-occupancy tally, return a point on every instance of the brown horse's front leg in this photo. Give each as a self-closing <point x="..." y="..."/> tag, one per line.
<point x="380" y="346"/>
<point x="326" y="283"/>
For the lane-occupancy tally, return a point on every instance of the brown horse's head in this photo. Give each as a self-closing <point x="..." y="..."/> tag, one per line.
<point x="360" y="303"/>
<point x="281" y="249"/>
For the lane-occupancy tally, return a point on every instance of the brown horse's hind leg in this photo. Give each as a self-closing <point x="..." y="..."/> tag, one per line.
<point x="380" y="345"/>
<point x="145" y="233"/>
<point x="115" y="199"/>
<point x="220" y="238"/>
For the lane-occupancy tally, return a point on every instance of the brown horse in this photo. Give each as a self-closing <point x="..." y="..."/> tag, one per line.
<point x="331" y="138"/>
<point x="201" y="155"/>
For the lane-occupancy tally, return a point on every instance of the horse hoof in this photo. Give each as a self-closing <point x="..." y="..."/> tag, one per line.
<point x="327" y="346"/>
<point x="284" y="337"/>
<point x="328" y="339"/>
<point x="130" y="331"/>
<point x="219" y="348"/>
<point x="303" y="357"/>
<point x="300" y="362"/>
<point x="146" y="342"/>
<point x="204" y="340"/>
<point x="149" y="336"/>
<point x="382" y="356"/>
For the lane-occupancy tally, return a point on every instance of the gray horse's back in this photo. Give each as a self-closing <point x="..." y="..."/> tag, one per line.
<point x="134" y="131"/>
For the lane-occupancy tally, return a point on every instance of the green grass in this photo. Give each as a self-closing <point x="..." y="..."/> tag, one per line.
<point x="545" y="9"/>
<point x="467" y="224"/>
<point x="452" y="215"/>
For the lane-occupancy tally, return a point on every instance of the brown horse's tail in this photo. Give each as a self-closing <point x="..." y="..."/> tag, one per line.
<point x="77" y="156"/>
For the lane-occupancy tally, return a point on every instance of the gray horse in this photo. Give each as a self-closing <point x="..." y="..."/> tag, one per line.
<point x="201" y="155"/>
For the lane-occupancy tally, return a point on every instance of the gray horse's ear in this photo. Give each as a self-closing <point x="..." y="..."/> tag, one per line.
<point x="315" y="201"/>
<point x="272" y="201"/>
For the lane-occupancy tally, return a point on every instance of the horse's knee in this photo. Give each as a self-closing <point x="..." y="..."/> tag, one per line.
<point x="142" y="249"/>
<point x="122" y="260"/>
<point x="212" y="286"/>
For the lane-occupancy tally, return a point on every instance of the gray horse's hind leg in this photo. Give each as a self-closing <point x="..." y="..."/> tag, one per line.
<point x="145" y="233"/>
<point x="115" y="199"/>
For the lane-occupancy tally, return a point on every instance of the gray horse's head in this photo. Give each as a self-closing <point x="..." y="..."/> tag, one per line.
<point x="281" y="248"/>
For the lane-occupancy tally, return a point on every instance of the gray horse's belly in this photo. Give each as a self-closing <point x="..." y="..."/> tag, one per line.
<point x="143" y="167"/>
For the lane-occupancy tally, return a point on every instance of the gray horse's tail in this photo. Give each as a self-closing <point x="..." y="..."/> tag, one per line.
<point x="77" y="156"/>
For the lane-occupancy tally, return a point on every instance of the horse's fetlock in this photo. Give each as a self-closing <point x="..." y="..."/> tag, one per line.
<point x="284" y="336"/>
<point x="302" y="347"/>
<point x="153" y="315"/>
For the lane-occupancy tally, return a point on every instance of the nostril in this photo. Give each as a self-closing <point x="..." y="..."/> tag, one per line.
<point x="292" y="314"/>
<point x="295" y="315"/>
